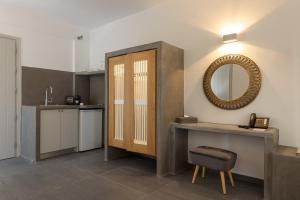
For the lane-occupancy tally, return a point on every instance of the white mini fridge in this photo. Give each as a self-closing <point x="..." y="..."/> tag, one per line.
<point x="90" y="129"/>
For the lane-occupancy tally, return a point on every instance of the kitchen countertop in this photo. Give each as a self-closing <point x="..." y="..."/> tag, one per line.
<point x="57" y="107"/>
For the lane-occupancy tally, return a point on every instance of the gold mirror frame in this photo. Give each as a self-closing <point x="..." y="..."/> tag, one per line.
<point x="255" y="80"/>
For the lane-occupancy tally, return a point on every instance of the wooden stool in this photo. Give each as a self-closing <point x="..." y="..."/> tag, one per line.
<point x="213" y="158"/>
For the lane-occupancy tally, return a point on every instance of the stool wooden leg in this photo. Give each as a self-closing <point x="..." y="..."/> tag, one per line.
<point x="203" y="171"/>
<point x="195" y="174"/>
<point x="231" y="178"/>
<point x="222" y="174"/>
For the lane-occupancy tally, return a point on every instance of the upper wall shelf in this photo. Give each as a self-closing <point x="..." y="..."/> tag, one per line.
<point x="88" y="73"/>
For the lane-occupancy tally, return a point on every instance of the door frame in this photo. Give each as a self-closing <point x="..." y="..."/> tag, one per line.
<point x="18" y="96"/>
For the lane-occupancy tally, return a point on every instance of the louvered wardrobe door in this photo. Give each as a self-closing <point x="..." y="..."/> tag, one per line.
<point x="142" y="109"/>
<point x="116" y="112"/>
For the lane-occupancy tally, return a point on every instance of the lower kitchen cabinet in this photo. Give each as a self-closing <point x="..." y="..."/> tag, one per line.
<point x="58" y="130"/>
<point x="50" y="131"/>
<point x="69" y="128"/>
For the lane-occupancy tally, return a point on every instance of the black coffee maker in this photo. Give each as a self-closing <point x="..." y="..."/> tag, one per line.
<point x="77" y="99"/>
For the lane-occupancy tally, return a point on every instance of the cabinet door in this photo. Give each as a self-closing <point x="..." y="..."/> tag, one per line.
<point x="142" y="109"/>
<point x="116" y="100"/>
<point x="69" y="128"/>
<point x="50" y="131"/>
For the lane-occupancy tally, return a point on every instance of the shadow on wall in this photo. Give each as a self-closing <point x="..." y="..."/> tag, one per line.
<point x="230" y="16"/>
<point x="234" y="17"/>
<point x="270" y="40"/>
<point x="197" y="26"/>
<point x="283" y="32"/>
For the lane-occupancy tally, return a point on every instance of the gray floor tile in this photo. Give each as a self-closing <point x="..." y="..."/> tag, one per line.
<point x="209" y="188"/>
<point x="101" y="188"/>
<point x="85" y="176"/>
<point x="136" y="179"/>
<point x="160" y="195"/>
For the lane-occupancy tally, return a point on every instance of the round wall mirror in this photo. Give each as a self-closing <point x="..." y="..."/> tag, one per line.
<point x="232" y="82"/>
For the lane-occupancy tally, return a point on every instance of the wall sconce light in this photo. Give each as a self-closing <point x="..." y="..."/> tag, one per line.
<point x="80" y="37"/>
<point x="233" y="37"/>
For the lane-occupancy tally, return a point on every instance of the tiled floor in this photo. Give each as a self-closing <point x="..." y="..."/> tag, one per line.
<point x="85" y="176"/>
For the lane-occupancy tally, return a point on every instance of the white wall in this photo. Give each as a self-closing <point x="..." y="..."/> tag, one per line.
<point x="269" y="35"/>
<point x="45" y="42"/>
<point x="82" y="53"/>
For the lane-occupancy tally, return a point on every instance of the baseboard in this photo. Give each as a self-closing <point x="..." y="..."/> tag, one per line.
<point x="239" y="177"/>
<point x="57" y="153"/>
<point x="236" y="176"/>
<point x="249" y="179"/>
<point x="27" y="159"/>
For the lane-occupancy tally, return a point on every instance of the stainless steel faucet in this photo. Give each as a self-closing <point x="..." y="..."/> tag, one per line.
<point x="47" y="99"/>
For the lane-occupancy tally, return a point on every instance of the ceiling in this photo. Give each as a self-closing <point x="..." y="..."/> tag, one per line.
<point x="85" y="13"/>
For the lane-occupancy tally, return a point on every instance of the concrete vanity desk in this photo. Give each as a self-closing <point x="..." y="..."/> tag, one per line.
<point x="179" y="145"/>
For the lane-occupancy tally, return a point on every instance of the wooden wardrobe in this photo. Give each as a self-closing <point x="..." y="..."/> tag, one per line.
<point x="144" y="93"/>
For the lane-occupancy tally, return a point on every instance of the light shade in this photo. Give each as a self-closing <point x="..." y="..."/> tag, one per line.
<point x="233" y="37"/>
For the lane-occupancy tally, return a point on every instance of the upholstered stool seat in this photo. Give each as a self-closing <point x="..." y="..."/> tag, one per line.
<point x="213" y="158"/>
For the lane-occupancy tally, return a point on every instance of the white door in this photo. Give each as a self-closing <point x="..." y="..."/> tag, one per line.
<point x="8" y="98"/>
<point x="50" y="130"/>
<point x="69" y="129"/>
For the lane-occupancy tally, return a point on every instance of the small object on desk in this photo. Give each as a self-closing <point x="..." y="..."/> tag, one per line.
<point x="252" y="120"/>
<point x="259" y="129"/>
<point x="186" y="119"/>
<point x="244" y="126"/>
<point x="262" y="122"/>
<point x="298" y="151"/>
